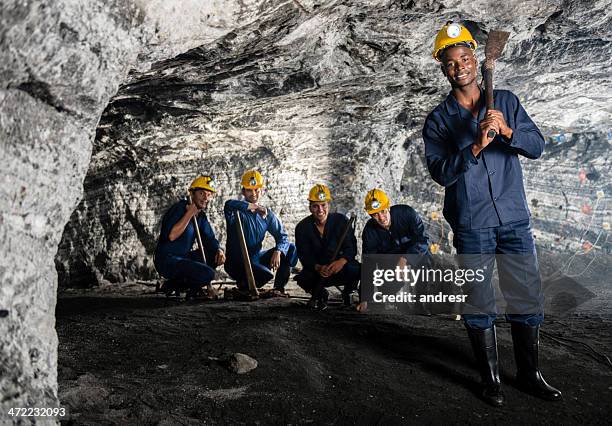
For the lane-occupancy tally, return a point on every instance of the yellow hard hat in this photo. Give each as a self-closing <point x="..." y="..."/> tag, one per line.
<point x="203" y="182"/>
<point x="452" y="34"/>
<point x="376" y="200"/>
<point x="252" y="179"/>
<point x="319" y="193"/>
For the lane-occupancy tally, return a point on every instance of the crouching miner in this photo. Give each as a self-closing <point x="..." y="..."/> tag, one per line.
<point x="327" y="252"/>
<point x="257" y="220"/>
<point x="486" y="207"/>
<point x="395" y="230"/>
<point x="174" y="258"/>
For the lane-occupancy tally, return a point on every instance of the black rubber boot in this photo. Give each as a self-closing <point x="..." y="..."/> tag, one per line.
<point x="526" y="341"/>
<point x="170" y="287"/>
<point x="484" y="344"/>
<point x="322" y="299"/>
<point x="346" y="297"/>
<point x="194" y="292"/>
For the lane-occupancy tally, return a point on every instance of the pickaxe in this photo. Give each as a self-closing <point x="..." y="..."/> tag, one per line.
<point x="495" y="45"/>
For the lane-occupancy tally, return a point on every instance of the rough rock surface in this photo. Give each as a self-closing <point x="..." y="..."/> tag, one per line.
<point x="305" y="90"/>
<point x="337" y="92"/>
<point x="59" y="65"/>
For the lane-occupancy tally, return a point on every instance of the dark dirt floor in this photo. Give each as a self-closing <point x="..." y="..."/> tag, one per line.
<point x="139" y="359"/>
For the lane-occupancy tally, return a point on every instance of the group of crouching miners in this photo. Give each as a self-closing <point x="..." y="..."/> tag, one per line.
<point x="325" y="242"/>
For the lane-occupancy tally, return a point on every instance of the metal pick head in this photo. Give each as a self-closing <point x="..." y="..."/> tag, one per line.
<point x="495" y="44"/>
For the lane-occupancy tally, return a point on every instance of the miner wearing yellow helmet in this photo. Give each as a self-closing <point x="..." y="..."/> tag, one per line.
<point x="316" y="237"/>
<point x="257" y="220"/>
<point x="486" y="207"/>
<point x="396" y="230"/>
<point x="174" y="258"/>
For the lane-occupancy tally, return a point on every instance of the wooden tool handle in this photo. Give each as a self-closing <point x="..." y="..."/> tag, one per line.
<point x="348" y="226"/>
<point x="248" y="269"/>
<point x="200" y="245"/>
<point x="487" y="75"/>
<point x="197" y="230"/>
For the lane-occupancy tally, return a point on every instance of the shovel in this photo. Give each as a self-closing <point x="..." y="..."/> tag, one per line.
<point x="495" y="45"/>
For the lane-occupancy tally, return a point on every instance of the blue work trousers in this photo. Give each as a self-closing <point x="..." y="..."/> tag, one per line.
<point x="512" y="246"/>
<point x="191" y="271"/>
<point x="348" y="277"/>
<point x="261" y="271"/>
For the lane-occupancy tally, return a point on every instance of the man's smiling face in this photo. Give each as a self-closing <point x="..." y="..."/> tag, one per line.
<point x="252" y="195"/>
<point x="201" y="197"/>
<point x="319" y="210"/>
<point x="460" y="66"/>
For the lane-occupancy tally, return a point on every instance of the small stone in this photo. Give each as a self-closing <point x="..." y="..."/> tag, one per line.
<point x="241" y="363"/>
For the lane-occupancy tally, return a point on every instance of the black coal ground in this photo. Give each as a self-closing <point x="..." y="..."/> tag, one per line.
<point x="138" y="359"/>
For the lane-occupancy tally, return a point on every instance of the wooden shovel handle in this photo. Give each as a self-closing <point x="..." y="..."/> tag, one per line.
<point x="487" y="75"/>
<point x="248" y="268"/>
<point x="200" y="245"/>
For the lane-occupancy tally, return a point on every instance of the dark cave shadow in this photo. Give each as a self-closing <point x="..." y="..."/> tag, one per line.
<point x="442" y="357"/>
<point x="82" y="305"/>
<point x="438" y="356"/>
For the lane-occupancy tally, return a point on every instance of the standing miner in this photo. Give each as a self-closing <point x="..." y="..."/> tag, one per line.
<point x="256" y="221"/>
<point x="317" y="238"/>
<point x="174" y="257"/>
<point x="396" y="230"/>
<point x="485" y="206"/>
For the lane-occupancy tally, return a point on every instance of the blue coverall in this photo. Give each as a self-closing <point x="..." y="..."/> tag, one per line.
<point x="485" y="203"/>
<point x="406" y="235"/>
<point x="316" y="249"/>
<point x="255" y="227"/>
<point x="175" y="260"/>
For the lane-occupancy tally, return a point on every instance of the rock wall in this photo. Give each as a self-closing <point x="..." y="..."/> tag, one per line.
<point x="335" y="92"/>
<point x="60" y="63"/>
<point x="568" y="190"/>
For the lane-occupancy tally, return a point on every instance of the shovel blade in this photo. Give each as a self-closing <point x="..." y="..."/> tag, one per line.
<point x="495" y="44"/>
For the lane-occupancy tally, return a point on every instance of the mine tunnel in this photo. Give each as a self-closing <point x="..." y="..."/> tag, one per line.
<point x="110" y="110"/>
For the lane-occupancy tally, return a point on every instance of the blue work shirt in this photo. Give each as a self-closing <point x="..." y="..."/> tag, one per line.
<point x="254" y="227"/>
<point x="406" y="235"/>
<point x="484" y="191"/>
<point x="169" y="253"/>
<point x="314" y="249"/>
